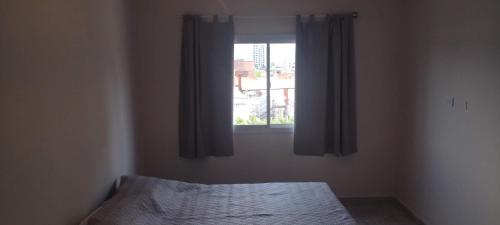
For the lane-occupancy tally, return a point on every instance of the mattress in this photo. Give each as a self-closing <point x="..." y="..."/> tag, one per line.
<point x="153" y="201"/>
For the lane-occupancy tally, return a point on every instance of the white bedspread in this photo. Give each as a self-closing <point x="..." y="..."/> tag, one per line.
<point x="152" y="201"/>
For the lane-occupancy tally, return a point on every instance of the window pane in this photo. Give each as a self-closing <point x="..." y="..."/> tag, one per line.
<point x="282" y="70"/>
<point x="250" y="89"/>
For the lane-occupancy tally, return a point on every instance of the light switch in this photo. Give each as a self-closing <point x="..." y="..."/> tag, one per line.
<point x="450" y="101"/>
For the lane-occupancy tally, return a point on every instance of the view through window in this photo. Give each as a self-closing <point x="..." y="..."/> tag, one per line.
<point x="264" y="84"/>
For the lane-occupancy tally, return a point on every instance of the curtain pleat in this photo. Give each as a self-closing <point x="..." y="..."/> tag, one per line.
<point x="325" y="109"/>
<point x="206" y="88"/>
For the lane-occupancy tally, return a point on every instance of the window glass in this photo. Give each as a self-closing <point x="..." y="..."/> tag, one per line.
<point x="250" y="84"/>
<point x="254" y="81"/>
<point x="282" y="70"/>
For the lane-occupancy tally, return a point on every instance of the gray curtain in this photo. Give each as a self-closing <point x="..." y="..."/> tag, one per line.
<point x="206" y="89"/>
<point x="325" y="116"/>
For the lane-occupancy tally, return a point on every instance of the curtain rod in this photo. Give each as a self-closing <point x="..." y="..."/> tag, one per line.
<point x="354" y="15"/>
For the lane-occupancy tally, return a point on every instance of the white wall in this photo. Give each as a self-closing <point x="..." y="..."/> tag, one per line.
<point x="65" y="123"/>
<point x="450" y="171"/>
<point x="269" y="157"/>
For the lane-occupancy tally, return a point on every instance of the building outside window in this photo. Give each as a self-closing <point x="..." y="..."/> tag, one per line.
<point x="264" y="84"/>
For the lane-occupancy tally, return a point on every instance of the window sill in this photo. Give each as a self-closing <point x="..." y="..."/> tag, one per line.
<point x="262" y="129"/>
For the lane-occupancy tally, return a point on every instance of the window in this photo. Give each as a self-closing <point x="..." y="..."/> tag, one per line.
<point x="264" y="84"/>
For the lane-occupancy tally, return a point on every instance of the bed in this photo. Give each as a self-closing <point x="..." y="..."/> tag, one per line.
<point x="153" y="201"/>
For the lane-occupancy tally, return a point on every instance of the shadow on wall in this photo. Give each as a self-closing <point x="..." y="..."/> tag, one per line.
<point x="65" y="118"/>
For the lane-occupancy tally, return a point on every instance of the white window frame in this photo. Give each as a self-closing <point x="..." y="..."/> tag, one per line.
<point x="265" y="39"/>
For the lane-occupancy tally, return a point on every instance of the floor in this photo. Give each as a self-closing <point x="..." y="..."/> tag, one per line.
<point x="379" y="211"/>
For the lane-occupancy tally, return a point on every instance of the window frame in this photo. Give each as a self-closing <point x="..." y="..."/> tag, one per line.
<point x="268" y="40"/>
